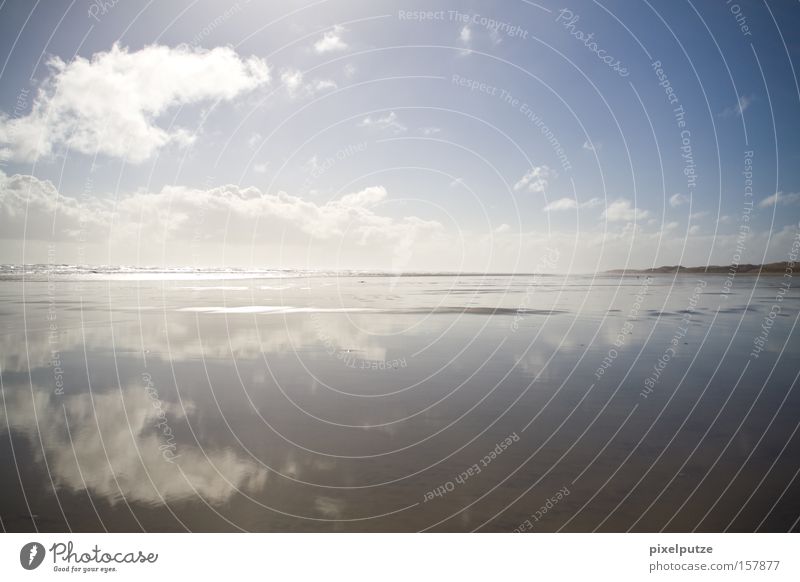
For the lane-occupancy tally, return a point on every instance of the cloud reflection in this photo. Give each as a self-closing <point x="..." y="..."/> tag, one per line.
<point x="115" y="450"/>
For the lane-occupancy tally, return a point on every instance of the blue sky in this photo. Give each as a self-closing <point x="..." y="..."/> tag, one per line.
<point x="399" y="135"/>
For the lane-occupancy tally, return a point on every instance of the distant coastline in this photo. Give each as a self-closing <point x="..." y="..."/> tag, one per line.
<point x="747" y="269"/>
<point x="43" y="272"/>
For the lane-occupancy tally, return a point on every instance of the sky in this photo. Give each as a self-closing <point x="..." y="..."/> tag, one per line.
<point x="403" y="136"/>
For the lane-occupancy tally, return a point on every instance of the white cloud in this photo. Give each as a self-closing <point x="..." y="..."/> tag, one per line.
<point x="737" y="110"/>
<point x="331" y="41"/>
<point x="592" y="147"/>
<point x="571" y="204"/>
<point x="503" y="228"/>
<point x="236" y="226"/>
<point x="561" y="204"/>
<point x="697" y="215"/>
<point x="261" y="168"/>
<point x="294" y="82"/>
<point x="322" y="84"/>
<point x="779" y="198"/>
<point x="110" y="104"/>
<point x="535" y="180"/>
<point x="430" y="130"/>
<point x="388" y="121"/>
<point x="366" y="197"/>
<point x="34" y="209"/>
<point x="465" y="35"/>
<point x="292" y="79"/>
<point x="678" y="199"/>
<point x="192" y="216"/>
<point x="254" y="139"/>
<point x="622" y="211"/>
<point x="495" y="36"/>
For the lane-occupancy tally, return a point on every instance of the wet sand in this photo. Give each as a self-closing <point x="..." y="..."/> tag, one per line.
<point x="444" y="403"/>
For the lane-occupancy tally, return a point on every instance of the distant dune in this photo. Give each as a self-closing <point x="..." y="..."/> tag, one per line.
<point x="769" y="268"/>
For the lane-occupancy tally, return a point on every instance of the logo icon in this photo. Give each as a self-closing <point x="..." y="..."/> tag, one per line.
<point x="31" y="555"/>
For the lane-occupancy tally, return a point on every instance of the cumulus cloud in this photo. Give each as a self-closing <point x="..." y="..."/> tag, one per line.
<point x="33" y="209"/>
<point x="780" y="198"/>
<point x="570" y="204"/>
<point x="292" y="80"/>
<point x="254" y="139"/>
<point x="677" y="200"/>
<point x="535" y="180"/>
<point x="592" y="146"/>
<point x="110" y="104"/>
<point x="331" y="41"/>
<point x="388" y="121"/>
<point x="364" y="198"/>
<point x="561" y="204"/>
<point x="322" y="84"/>
<point x="737" y="110"/>
<point x="622" y="211"/>
<point x="295" y="84"/>
<point x="237" y="226"/>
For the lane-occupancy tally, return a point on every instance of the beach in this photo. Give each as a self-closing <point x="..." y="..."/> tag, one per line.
<point x="358" y="401"/>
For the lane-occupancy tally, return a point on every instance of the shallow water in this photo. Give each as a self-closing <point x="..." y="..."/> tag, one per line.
<point x="325" y="402"/>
